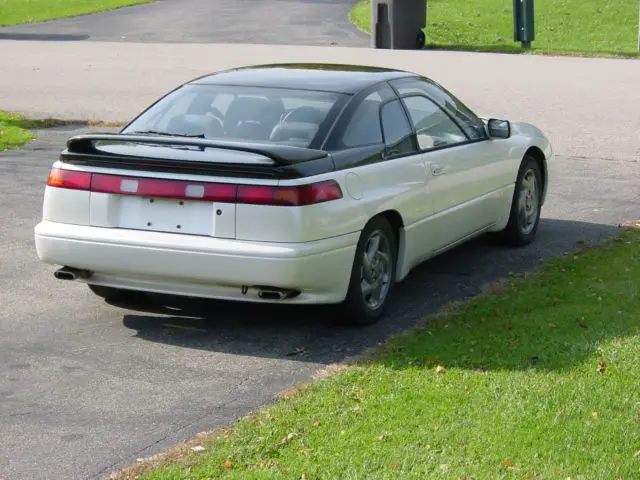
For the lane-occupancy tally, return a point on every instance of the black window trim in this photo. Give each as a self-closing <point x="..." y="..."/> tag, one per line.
<point x="412" y="133"/>
<point x="468" y="140"/>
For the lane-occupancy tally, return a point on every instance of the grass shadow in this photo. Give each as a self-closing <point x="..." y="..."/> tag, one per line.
<point x="518" y="50"/>
<point x="42" y="37"/>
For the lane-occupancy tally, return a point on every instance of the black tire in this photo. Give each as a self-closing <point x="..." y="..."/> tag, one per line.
<point x="358" y="307"/>
<point x="116" y="294"/>
<point x="516" y="234"/>
<point x="421" y="40"/>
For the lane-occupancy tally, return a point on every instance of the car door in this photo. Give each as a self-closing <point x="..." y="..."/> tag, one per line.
<point x="374" y="145"/>
<point x="466" y="169"/>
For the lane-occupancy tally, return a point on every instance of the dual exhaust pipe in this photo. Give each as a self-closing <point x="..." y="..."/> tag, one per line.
<point x="265" y="293"/>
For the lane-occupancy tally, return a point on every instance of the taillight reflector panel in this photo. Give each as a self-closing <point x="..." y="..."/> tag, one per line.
<point x="293" y="196"/>
<point x="69" y="179"/>
<point x="150" y="187"/>
<point x="297" y="195"/>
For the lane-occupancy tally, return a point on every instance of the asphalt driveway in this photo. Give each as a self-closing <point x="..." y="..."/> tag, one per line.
<point x="86" y="387"/>
<point x="292" y="22"/>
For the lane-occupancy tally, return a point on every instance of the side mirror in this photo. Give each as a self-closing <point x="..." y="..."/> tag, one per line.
<point x="499" y="128"/>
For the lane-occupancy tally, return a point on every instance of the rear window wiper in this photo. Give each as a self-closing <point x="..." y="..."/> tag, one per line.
<point x="166" y="134"/>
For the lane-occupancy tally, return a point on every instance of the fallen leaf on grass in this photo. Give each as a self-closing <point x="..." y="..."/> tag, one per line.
<point x="305" y="451"/>
<point x="440" y="369"/>
<point x="435" y="427"/>
<point x="636" y="453"/>
<point x="316" y="421"/>
<point x="380" y="438"/>
<point x="303" y="476"/>
<point x="601" y="367"/>
<point x="580" y="322"/>
<point x="228" y="465"/>
<point x="594" y="414"/>
<point x="394" y="466"/>
<point x="287" y="439"/>
<point x="198" y="448"/>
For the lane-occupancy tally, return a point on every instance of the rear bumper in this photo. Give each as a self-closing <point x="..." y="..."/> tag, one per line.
<point x="200" y="266"/>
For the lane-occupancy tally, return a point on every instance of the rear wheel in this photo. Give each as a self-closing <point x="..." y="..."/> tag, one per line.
<point x="372" y="274"/>
<point x="526" y="204"/>
<point x="116" y="294"/>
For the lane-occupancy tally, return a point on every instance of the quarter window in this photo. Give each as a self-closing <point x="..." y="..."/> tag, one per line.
<point x="434" y="128"/>
<point x="364" y="127"/>
<point x="396" y="129"/>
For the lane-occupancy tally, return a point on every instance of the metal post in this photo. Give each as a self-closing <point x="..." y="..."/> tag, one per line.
<point x="523" y="22"/>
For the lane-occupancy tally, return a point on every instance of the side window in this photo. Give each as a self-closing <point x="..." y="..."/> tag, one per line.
<point x="466" y="119"/>
<point x="434" y="128"/>
<point x="364" y="126"/>
<point x="396" y="129"/>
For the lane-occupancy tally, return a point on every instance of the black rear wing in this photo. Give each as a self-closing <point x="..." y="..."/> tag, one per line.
<point x="191" y="155"/>
<point x="279" y="154"/>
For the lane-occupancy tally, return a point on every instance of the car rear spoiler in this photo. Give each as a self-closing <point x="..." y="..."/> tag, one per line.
<point x="256" y="160"/>
<point x="277" y="154"/>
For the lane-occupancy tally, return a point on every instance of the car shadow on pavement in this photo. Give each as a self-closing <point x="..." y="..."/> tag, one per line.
<point x="314" y="334"/>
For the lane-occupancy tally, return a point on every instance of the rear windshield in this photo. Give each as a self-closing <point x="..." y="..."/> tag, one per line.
<point x="274" y="115"/>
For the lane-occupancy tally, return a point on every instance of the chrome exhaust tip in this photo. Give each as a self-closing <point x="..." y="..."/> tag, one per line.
<point x="274" y="293"/>
<point x="70" y="273"/>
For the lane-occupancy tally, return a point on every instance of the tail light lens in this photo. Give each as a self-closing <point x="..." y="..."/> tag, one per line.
<point x="69" y="179"/>
<point x="293" y="196"/>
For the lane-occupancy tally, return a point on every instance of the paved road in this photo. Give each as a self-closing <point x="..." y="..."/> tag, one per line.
<point x="290" y="22"/>
<point x="589" y="107"/>
<point x="86" y="387"/>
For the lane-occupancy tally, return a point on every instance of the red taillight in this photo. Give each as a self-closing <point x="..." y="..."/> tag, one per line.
<point x="149" y="187"/>
<point x="69" y="179"/>
<point x="297" y="195"/>
<point x="294" y="196"/>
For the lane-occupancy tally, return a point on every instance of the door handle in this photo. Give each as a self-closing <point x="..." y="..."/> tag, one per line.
<point x="438" y="169"/>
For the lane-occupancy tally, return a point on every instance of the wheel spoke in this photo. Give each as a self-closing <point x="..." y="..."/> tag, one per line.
<point x="374" y="246"/>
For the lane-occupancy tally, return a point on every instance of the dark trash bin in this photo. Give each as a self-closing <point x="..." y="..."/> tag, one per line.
<point x="398" y="24"/>
<point x="523" y="25"/>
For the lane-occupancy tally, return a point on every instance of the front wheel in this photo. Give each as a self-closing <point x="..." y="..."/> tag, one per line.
<point x="526" y="204"/>
<point x="372" y="275"/>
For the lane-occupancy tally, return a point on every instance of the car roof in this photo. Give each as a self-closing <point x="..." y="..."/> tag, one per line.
<point x="337" y="78"/>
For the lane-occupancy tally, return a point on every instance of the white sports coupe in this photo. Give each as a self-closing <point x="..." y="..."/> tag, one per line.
<point x="290" y="183"/>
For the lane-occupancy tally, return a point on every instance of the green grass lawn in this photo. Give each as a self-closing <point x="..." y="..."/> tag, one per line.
<point x="15" y="129"/>
<point x="539" y="378"/>
<point x="12" y="130"/>
<point x="13" y="12"/>
<point x="576" y="26"/>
